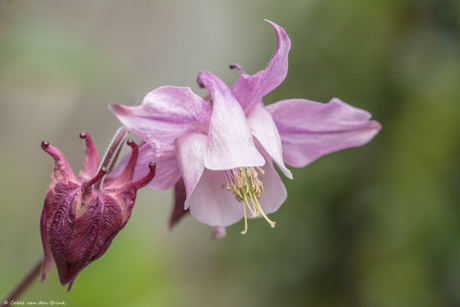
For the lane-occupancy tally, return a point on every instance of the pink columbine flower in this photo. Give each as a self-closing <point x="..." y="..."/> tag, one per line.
<point x="225" y="149"/>
<point x="81" y="216"/>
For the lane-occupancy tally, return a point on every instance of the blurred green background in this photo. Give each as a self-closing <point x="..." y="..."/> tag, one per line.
<point x="372" y="226"/>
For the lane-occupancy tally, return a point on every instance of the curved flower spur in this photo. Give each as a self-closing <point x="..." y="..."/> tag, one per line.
<point x="225" y="149"/>
<point x="81" y="216"/>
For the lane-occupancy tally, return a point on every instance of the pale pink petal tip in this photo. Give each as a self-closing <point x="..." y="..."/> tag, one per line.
<point x="119" y="110"/>
<point x="218" y="232"/>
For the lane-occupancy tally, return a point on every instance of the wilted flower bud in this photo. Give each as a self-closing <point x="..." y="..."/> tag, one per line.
<point x="81" y="216"/>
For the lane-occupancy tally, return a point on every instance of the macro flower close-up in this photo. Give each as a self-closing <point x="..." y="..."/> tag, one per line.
<point x="225" y="147"/>
<point x="242" y="153"/>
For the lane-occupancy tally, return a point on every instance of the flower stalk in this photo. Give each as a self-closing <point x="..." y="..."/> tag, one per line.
<point x="23" y="284"/>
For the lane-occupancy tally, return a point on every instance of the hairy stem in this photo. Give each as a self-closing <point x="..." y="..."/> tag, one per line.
<point x="23" y="284"/>
<point x="111" y="154"/>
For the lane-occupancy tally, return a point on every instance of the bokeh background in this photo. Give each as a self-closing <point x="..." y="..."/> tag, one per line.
<point x="372" y="226"/>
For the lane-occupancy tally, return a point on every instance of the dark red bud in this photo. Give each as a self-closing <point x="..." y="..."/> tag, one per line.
<point x="81" y="216"/>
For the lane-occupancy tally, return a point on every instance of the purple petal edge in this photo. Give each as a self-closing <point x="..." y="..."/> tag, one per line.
<point x="249" y="90"/>
<point x="310" y="129"/>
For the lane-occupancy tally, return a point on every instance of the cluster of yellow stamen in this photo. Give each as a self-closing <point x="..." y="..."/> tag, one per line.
<point x="246" y="188"/>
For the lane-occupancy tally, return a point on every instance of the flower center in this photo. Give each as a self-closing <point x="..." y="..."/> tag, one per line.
<point x="246" y="188"/>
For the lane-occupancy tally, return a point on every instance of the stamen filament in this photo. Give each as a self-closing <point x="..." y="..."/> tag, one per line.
<point x="263" y="213"/>
<point x="254" y="172"/>
<point x="236" y="175"/>
<point x="245" y="217"/>
<point x="226" y="179"/>
<point x="253" y="210"/>
<point x="245" y="186"/>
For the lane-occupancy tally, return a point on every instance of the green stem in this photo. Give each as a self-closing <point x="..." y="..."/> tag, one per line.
<point x="24" y="284"/>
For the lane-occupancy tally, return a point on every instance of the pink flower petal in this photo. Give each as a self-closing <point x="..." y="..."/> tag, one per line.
<point x="191" y="148"/>
<point x="211" y="203"/>
<point x="230" y="142"/>
<point x="249" y="90"/>
<point x="167" y="174"/>
<point x="264" y="129"/>
<point x="165" y="113"/>
<point x="311" y="129"/>
<point x="275" y="192"/>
